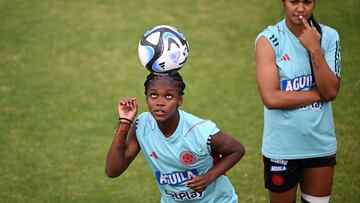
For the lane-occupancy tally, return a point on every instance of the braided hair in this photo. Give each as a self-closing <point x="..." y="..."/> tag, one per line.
<point x="315" y="24"/>
<point x="318" y="28"/>
<point x="175" y="76"/>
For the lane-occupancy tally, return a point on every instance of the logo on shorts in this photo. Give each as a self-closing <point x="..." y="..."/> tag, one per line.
<point x="187" y="158"/>
<point x="279" y="161"/>
<point x="277" y="179"/>
<point x="278" y="168"/>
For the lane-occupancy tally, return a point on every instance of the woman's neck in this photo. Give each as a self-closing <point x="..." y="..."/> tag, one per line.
<point x="296" y="29"/>
<point x="169" y="126"/>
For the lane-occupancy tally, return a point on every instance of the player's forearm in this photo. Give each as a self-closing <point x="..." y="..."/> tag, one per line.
<point x="115" y="161"/>
<point x="290" y="99"/>
<point x="226" y="162"/>
<point x="327" y="83"/>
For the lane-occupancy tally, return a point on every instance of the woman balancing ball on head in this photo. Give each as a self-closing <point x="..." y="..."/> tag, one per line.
<point x="177" y="145"/>
<point x="298" y="75"/>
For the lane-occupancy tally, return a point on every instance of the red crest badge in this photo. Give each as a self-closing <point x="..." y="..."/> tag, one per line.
<point x="187" y="158"/>
<point x="277" y="179"/>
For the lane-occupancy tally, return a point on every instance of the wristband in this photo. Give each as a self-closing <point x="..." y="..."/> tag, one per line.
<point x="122" y="122"/>
<point x="121" y="118"/>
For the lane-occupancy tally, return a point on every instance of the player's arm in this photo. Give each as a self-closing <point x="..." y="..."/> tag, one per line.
<point x="230" y="149"/>
<point x="125" y="146"/>
<point x="267" y="78"/>
<point x="326" y="81"/>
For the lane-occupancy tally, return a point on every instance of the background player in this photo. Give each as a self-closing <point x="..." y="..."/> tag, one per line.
<point x="298" y="74"/>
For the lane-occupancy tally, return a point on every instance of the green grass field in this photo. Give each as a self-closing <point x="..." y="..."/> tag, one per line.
<point x="65" y="64"/>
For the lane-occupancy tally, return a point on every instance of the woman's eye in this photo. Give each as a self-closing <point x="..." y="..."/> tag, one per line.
<point x="169" y="96"/>
<point x="153" y="95"/>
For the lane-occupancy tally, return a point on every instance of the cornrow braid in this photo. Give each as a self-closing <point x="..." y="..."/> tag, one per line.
<point x="174" y="75"/>
<point x="315" y="24"/>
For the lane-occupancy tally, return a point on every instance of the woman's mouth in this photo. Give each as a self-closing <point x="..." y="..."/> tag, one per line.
<point x="159" y="112"/>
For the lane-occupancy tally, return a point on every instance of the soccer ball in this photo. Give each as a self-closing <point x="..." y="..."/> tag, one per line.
<point x="163" y="49"/>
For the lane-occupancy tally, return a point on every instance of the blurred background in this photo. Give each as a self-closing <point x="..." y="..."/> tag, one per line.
<point x="65" y="64"/>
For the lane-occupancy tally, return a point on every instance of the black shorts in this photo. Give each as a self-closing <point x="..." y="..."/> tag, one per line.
<point x="282" y="175"/>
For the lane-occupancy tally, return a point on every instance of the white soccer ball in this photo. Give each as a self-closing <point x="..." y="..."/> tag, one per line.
<point x="163" y="49"/>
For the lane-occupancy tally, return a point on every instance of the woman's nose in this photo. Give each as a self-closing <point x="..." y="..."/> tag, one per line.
<point x="160" y="102"/>
<point x="300" y="7"/>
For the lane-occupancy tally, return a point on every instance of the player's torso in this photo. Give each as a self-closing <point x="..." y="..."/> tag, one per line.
<point x="290" y="132"/>
<point x="175" y="163"/>
<point x="178" y="158"/>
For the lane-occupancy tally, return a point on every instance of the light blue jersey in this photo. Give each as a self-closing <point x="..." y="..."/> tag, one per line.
<point x="308" y="131"/>
<point x="177" y="159"/>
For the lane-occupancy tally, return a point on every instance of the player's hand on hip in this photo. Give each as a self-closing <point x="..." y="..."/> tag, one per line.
<point x="199" y="183"/>
<point x="127" y="108"/>
<point x="310" y="37"/>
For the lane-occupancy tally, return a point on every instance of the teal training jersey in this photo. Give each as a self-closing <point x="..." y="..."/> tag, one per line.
<point x="185" y="154"/>
<point x="308" y="131"/>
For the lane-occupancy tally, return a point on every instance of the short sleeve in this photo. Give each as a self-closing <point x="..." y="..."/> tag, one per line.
<point x="211" y="127"/>
<point x="332" y="50"/>
<point x="140" y="124"/>
<point x="204" y="131"/>
<point x="271" y="34"/>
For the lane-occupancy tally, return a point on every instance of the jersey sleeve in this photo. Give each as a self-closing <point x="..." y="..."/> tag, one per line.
<point x="205" y="130"/>
<point x="332" y="51"/>
<point x="140" y="125"/>
<point x="272" y="35"/>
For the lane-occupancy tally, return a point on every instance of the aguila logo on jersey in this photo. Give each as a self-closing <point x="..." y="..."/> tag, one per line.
<point x="298" y="83"/>
<point x="187" y="158"/>
<point x="175" y="178"/>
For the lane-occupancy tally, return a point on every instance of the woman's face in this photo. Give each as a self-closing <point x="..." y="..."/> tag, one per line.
<point x="296" y="8"/>
<point x="163" y="98"/>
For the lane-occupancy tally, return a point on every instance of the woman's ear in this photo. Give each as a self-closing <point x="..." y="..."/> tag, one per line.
<point x="180" y="101"/>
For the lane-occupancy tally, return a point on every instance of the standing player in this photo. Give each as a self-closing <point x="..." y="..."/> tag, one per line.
<point x="298" y="74"/>
<point x="177" y="145"/>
